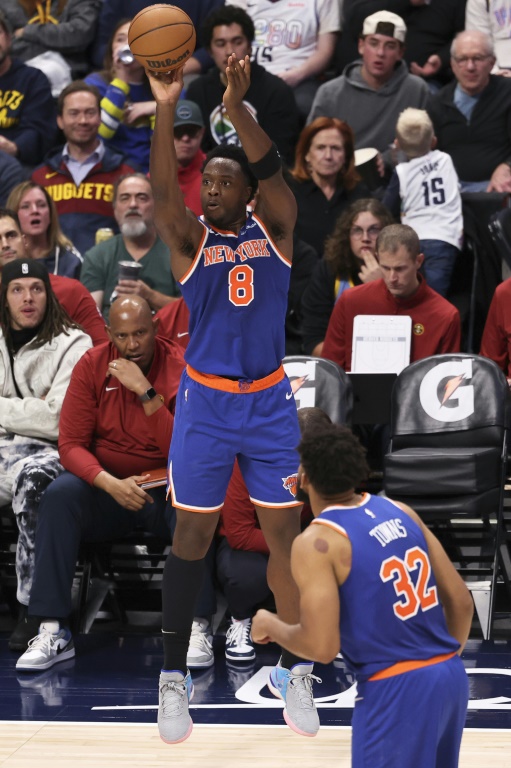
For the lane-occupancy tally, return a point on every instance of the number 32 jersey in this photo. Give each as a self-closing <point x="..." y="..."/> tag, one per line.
<point x="390" y="608"/>
<point x="236" y="290"/>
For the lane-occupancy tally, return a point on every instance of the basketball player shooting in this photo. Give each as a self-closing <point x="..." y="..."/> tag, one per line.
<point x="234" y="399"/>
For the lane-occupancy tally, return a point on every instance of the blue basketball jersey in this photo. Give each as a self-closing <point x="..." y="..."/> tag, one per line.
<point x="236" y="290"/>
<point x="390" y="608"/>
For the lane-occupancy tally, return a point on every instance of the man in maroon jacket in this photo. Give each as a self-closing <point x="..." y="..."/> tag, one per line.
<point x="401" y="291"/>
<point x="116" y="425"/>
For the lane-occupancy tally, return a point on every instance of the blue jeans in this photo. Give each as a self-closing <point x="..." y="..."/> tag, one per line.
<point x="439" y="260"/>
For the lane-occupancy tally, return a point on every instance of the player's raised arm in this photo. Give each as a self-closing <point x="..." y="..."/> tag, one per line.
<point x="276" y="205"/>
<point x="177" y="226"/>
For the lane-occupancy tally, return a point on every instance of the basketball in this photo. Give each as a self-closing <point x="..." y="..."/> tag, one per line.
<point x="161" y="37"/>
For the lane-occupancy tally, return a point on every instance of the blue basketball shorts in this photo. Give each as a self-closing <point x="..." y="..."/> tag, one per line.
<point x="411" y="720"/>
<point x="217" y="420"/>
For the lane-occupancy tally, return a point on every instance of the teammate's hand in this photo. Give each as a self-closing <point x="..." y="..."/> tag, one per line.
<point x="238" y="81"/>
<point x="259" y="630"/>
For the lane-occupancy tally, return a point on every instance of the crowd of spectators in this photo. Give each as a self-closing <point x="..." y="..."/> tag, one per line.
<point x="424" y="82"/>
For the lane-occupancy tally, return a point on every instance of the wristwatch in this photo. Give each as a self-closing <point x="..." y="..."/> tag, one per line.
<point x="149" y="394"/>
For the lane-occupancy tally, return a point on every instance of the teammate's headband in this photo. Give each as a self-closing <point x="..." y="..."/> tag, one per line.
<point x="19" y="268"/>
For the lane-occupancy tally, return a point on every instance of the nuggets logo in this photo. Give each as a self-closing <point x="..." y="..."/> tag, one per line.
<point x="418" y="329"/>
<point x="291" y="483"/>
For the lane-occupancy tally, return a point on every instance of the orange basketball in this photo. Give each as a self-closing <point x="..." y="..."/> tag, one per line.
<point x="161" y="37"/>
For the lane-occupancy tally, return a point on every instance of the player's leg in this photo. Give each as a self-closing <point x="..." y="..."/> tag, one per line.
<point x="200" y="465"/>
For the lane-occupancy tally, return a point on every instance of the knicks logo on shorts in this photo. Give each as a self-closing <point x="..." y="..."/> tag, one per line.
<point x="291" y="483"/>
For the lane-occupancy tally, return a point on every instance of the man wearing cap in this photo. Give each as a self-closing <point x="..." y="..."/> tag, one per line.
<point x="372" y="92"/>
<point x="137" y="243"/>
<point x="27" y="123"/>
<point x="188" y="135"/>
<point x="39" y="346"/>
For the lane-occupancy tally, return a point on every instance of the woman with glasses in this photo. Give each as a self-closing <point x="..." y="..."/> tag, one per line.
<point x="349" y="260"/>
<point x="127" y="104"/>
<point x="325" y="181"/>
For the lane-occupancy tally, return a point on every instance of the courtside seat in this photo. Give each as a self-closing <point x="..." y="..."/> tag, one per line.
<point x="447" y="459"/>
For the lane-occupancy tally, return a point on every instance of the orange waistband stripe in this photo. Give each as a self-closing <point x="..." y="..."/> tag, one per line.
<point x="409" y="666"/>
<point x="236" y="387"/>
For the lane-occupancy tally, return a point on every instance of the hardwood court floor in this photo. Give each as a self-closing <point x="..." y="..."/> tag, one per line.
<point x="50" y="745"/>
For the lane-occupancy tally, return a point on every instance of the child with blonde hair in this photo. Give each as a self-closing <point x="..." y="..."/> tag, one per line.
<point x="424" y="193"/>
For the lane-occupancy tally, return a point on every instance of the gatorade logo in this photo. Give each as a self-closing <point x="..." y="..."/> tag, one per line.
<point x="444" y="393"/>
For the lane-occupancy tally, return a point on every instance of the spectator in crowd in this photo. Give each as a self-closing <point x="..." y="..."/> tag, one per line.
<point x="371" y="93"/>
<point x="80" y="176"/>
<point x="496" y="340"/>
<point x="53" y="36"/>
<point x="401" y="291"/>
<point x="11" y="173"/>
<point x="431" y="26"/>
<point x="72" y="295"/>
<point x="325" y="180"/>
<point x="269" y="100"/>
<point x="294" y="42"/>
<point x="188" y="135"/>
<point x="494" y="18"/>
<point x="357" y="554"/>
<point x="26" y="120"/>
<point x="137" y="242"/>
<point x="39" y="346"/>
<point x="44" y="238"/>
<point x="424" y="193"/>
<point x="115" y="426"/>
<point x="349" y="259"/>
<point x="471" y="116"/>
<point x="113" y="10"/>
<point x="127" y="104"/>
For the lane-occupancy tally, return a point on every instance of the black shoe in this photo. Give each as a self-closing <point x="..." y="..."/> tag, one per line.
<point x="26" y="628"/>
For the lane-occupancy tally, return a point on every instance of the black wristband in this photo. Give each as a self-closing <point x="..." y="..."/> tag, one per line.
<point x="268" y="165"/>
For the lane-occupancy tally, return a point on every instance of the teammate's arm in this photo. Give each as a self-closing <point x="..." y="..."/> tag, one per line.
<point x="317" y="635"/>
<point x="276" y="204"/>
<point x="178" y="227"/>
<point x="454" y="595"/>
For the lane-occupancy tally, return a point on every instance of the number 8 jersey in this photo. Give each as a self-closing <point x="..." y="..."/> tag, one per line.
<point x="236" y="290"/>
<point x="390" y="608"/>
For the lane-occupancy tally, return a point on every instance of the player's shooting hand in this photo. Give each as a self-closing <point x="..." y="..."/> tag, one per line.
<point x="166" y="86"/>
<point x="259" y="629"/>
<point x="128" y="374"/>
<point x="370" y="269"/>
<point x="238" y="81"/>
<point x="128" y="494"/>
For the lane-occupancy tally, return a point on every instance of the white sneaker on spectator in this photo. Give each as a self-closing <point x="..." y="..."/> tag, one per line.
<point x="51" y="645"/>
<point x="238" y="641"/>
<point x="200" y="649"/>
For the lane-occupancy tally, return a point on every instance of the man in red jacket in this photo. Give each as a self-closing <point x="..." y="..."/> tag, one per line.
<point x="116" y="425"/>
<point x="402" y="291"/>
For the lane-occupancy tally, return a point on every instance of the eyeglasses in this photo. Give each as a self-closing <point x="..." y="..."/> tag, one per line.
<point x="358" y="232"/>
<point x="476" y="60"/>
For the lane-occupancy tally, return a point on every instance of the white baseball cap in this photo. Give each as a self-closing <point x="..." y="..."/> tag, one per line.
<point x="385" y="23"/>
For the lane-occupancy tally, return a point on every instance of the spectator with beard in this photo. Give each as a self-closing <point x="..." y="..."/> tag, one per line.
<point x="138" y="242"/>
<point x="80" y="176"/>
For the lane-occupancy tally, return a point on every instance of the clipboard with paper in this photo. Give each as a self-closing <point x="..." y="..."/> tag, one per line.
<point x="381" y="343"/>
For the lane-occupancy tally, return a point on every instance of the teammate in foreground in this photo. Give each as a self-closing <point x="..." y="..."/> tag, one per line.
<point x="234" y="398"/>
<point x="376" y="582"/>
